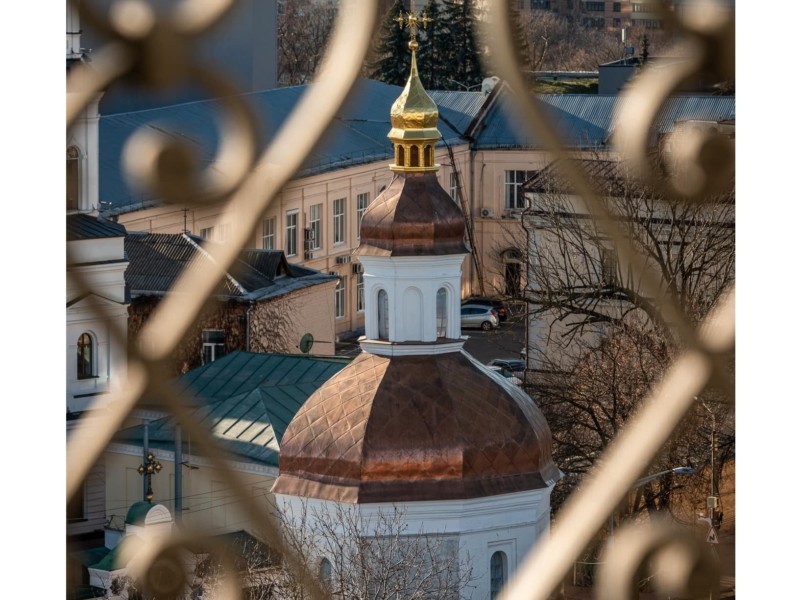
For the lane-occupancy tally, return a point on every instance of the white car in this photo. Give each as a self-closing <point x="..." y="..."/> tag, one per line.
<point x="483" y="317"/>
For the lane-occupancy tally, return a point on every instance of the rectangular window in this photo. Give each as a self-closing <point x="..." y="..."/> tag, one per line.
<point x="339" y="298"/>
<point x="268" y="233"/>
<point x="514" y="196"/>
<point x="362" y="201"/>
<point x="540" y="4"/>
<point x="616" y="7"/>
<point x="359" y="288"/>
<point x="223" y="230"/>
<point x="76" y="507"/>
<point x="608" y="266"/>
<point x="454" y="186"/>
<point x="339" y="229"/>
<point x="213" y="345"/>
<point x="207" y="233"/>
<point x="315" y="222"/>
<point x="290" y="246"/>
<point x="616" y="22"/>
<point x="596" y="6"/>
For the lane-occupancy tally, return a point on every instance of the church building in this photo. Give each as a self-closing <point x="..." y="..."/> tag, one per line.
<point x="414" y="421"/>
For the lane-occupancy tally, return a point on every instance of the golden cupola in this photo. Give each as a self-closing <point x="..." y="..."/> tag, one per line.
<point x="414" y="117"/>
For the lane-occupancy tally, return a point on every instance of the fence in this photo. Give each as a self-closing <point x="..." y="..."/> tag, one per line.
<point x="151" y="50"/>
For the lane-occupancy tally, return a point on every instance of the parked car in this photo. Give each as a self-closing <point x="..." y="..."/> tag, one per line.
<point x="484" y="317"/>
<point x="507" y="373"/>
<point x="500" y="307"/>
<point x="515" y="365"/>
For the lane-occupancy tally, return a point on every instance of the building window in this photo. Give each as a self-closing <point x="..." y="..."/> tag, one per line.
<point x="207" y="233"/>
<point x="73" y="178"/>
<point x="362" y="201"/>
<point x="441" y="313"/>
<point x="454" y="186"/>
<point x="596" y="6"/>
<point x="514" y="196"/>
<point x="268" y="234"/>
<point x="498" y="573"/>
<point x="360" y="289"/>
<point x="608" y="266"/>
<point x="290" y="246"/>
<point x="616" y="22"/>
<point x="540" y="4"/>
<point x="339" y="229"/>
<point x="223" y="231"/>
<point x="383" y="315"/>
<point x="76" y="507"/>
<point x="85" y="356"/>
<point x="213" y="345"/>
<point x="339" y="298"/>
<point x="325" y="571"/>
<point x="315" y="224"/>
<point x="616" y="7"/>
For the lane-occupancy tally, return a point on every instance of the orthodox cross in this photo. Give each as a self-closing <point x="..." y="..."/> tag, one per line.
<point x="411" y="20"/>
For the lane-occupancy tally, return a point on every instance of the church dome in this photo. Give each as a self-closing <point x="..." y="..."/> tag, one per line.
<point x="413" y="216"/>
<point x="415" y="428"/>
<point x="414" y="109"/>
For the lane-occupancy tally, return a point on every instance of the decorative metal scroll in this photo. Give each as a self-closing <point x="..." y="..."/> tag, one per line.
<point x="152" y="50"/>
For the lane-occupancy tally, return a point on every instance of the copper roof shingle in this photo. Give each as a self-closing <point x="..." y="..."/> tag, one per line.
<point x="415" y="428"/>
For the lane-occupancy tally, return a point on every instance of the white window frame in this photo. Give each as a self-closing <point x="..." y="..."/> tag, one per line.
<point x="268" y="227"/>
<point x="340" y="299"/>
<point x="290" y="243"/>
<point x="339" y="221"/>
<point x="315" y="224"/>
<point x="362" y="202"/>
<point x="514" y="198"/>
<point x="360" y="291"/>
<point x="212" y="350"/>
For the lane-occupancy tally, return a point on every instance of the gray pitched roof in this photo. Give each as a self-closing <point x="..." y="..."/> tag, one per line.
<point x="357" y="135"/>
<point x="81" y="226"/>
<point x="246" y="400"/>
<point x="158" y="259"/>
<point x="588" y="120"/>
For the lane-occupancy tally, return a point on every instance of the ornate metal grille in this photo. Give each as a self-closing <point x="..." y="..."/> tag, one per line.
<point x="152" y="50"/>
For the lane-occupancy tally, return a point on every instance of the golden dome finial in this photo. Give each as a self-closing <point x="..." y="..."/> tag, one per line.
<point x="414" y="114"/>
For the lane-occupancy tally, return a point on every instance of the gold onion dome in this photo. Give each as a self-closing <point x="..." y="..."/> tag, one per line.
<point x="414" y="117"/>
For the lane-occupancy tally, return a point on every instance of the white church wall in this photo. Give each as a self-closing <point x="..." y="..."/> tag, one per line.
<point x="511" y="523"/>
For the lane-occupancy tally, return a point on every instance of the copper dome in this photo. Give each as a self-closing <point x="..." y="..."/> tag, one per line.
<point x="413" y="216"/>
<point x="411" y="428"/>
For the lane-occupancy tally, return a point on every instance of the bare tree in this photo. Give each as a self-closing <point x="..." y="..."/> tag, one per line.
<point x="377" y="557"/>
<point x="597" y="342"/>
<point x="303" y="30"/>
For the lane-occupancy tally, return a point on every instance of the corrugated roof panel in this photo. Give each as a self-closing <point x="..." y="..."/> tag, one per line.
<point x="357" y="135"/>
<point x="81" y="226"/>
<point x="250" y="422"/>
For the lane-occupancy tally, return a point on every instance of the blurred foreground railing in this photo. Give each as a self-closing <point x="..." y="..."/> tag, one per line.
<point x="153" y="51"/>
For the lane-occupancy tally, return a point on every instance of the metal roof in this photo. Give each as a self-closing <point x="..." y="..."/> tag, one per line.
<point x="587" y="120"/>
<point x="156" y="260"/>
<point x="246" y="401"/>
<point x="357" y="135"/>
<point x="81" y="226"/>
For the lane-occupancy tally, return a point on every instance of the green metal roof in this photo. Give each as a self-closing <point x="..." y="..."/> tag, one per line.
<point x="127" y="547"/>
<point x="246" y="401"/>
<point x="137" y="513"/>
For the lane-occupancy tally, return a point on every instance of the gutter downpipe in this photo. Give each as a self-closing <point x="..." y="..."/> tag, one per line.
<point x="247" y="326"/>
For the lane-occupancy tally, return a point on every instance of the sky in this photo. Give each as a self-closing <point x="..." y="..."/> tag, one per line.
<point x="34" y="278"/>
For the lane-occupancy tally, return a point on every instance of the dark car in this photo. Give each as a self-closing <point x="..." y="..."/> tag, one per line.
<point x="512" y="364"/>
<point x="499" y="307"/>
